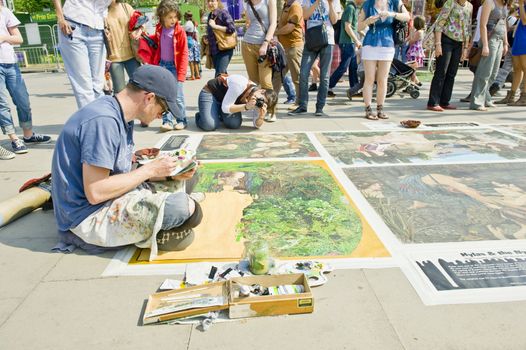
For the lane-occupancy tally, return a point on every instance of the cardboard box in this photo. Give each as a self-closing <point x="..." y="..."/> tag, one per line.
<point x="159" y="304"/>
<point x="270" y="305"/>
<point x="165" y="306"/>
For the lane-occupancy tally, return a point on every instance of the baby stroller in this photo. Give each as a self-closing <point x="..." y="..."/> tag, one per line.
<point x="400" y="79"/>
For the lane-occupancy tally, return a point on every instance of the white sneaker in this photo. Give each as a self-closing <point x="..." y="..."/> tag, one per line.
<point x="270" y="118"/>
<point x="6" y="154"/>
<point x="166" y="127"/>
<point x="179" y="126"/>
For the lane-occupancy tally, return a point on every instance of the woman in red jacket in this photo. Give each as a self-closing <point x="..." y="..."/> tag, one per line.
<point x="172" y="54"/>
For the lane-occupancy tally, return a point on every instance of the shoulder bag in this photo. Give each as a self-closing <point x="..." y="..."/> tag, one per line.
<point x="316" y="38"/>
<point x="225" y="41"/>
<point x="400" y="30"/>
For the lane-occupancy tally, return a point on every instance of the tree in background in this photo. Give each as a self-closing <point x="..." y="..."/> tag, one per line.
<point x="32" y="5"/>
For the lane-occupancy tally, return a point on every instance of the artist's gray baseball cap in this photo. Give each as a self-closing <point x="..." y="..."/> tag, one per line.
<point x="158" y="80"/>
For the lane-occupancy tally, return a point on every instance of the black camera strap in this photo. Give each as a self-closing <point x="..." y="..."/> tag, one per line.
<point x="257" y="16"/>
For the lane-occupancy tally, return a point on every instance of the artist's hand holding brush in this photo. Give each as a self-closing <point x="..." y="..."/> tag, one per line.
<point x="161" y="167"/>
<point x="164" y="165"/>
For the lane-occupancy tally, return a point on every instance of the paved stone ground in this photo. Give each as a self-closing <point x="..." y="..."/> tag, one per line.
<point x="55" y="301"/>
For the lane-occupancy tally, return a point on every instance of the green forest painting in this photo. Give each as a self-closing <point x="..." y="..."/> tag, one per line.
<point x="430" y="146"/>
<point x="297" y="208"/>
<point x="448" y="203"/>
<point x="236" y="146"/>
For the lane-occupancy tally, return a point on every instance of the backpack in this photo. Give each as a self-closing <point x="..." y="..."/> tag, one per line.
<point x="145" y="47"/>
<point x="400" y="31"/>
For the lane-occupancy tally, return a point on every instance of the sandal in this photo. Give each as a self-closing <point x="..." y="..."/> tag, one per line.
<point x="369" y="113"/>
<point x="380" y="112"/>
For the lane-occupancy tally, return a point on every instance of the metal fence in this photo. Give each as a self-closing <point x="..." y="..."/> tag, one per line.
<point x="43" y="56"/>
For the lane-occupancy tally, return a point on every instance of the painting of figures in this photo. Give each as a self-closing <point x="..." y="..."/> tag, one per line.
<point x="447" y="203"/>
<point x="236" y="146"/>
<point x="427" y="147"/>
<point x="517" y="129"/>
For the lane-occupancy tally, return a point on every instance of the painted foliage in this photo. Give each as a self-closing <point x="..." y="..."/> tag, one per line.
<point x="235" y="146"/>
<point x="448" y="203"/>
<point x="297" y="207"/>
<point x="433" y="146"/>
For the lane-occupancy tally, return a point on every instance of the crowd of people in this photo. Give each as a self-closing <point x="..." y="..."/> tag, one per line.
<point x="101" y="201"/>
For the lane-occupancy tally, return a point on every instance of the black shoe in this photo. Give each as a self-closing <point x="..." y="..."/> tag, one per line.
<point x="349" y="94"/>
<point x="331" y="94"/>
<point x="313" y="87"/>
<point x="298" y="111"/>
<point x="493" y="89"/>
<point x="37" y="138"/>
<point x="466" y="99"/>
<point x="320" y="113"/>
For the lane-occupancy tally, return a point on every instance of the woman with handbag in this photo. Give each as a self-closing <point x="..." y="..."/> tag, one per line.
<point x="261" y="20"/>
<point x="378" y="49"/>
<point x="493" y="45"/>
<point x="121" y="53"/>
<point x="220" y="26"/>
<point x="452" y="34"/>
<point x="320" y="15"/>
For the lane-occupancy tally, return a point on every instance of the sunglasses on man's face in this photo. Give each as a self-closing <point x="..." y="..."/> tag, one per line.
<point x="162" y="102"/>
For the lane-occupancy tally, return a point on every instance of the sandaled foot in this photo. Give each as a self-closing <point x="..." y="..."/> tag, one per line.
<point x="369" y="113"/>
<point x="380" y="112"/>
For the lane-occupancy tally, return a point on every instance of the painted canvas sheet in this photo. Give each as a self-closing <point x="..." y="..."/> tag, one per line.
<point x="299" y="208"/>
<point x="173" y="142"/>
<point x="481" y="272"/>
<point x="447" y="203"/>
<point x="238" y="146"/>
<point x="426" y="147"/>
<point x="516" y="129"/>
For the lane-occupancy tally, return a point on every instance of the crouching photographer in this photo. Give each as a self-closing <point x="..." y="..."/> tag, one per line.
<point x="225" y="98"/>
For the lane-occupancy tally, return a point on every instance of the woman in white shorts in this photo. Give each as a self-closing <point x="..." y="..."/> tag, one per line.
<point x="378" y="49"/>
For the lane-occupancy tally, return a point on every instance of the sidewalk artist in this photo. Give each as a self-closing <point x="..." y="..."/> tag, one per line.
<point x="96" y="194"/>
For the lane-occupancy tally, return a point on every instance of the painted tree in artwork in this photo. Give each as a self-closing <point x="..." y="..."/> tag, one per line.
<point x="298" y="208"/>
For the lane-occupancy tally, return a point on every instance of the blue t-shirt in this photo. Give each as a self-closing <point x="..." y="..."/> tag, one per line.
<point x="96" y="135"/>
<point x="380" y="33"/>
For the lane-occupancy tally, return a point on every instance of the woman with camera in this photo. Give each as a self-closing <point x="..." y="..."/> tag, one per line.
<point x="225" y="98"/>
<point x="378" y="49"/>
<point x="261" y="18"/>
